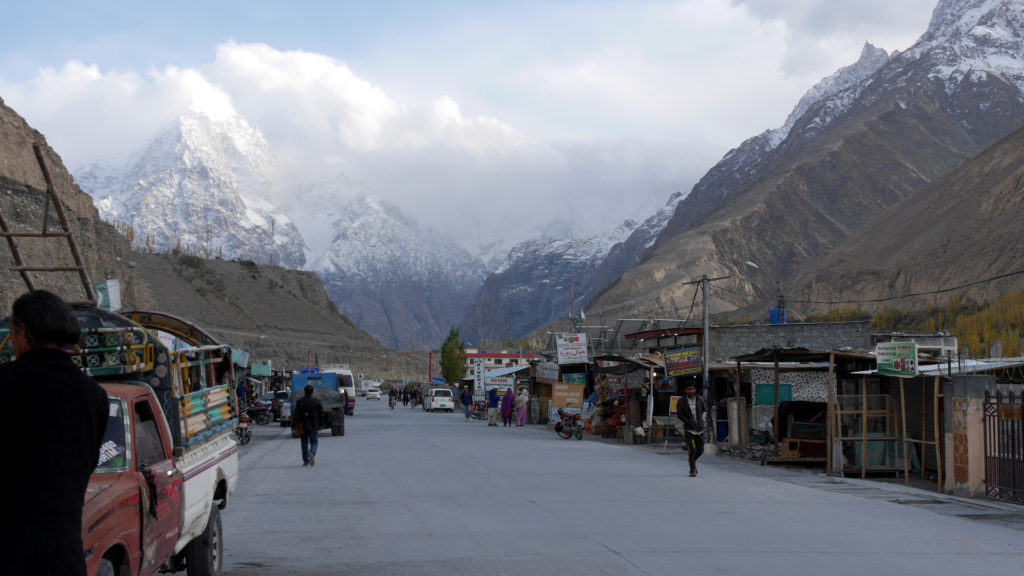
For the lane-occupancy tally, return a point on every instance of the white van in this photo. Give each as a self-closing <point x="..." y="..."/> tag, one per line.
<point x="439" y="399"/>
<point x="346" y="382"/>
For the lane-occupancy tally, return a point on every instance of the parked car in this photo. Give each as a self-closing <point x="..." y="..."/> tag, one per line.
<point x="285" y="417"/>
<point x="373" y="394"/>
<point x="281" y="397"/>
<point x="439" y="399"/>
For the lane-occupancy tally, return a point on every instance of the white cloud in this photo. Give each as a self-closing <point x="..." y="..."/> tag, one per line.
<point x="494" y="119"/>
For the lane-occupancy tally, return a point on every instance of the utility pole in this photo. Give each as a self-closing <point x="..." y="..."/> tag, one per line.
<point x="709" y="391"/>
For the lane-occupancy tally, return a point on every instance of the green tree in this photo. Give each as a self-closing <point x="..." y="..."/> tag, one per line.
<point x="453" y="354"/>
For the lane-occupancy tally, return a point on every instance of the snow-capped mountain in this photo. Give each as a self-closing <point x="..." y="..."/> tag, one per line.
<point x="536" y="284"/>
<point x="405" y="285"/>
<point x="205" y="186"/>
<point x="853" y="147"/>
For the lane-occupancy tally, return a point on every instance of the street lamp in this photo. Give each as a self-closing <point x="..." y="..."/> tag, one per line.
<point x="778" y="290"/>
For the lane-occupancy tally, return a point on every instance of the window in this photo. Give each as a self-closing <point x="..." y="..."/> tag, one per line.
<point x="149" y="448"/>
<point x="113" y="450"/>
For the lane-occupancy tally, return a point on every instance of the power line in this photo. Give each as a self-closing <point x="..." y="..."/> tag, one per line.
<point x="887" y="299"/>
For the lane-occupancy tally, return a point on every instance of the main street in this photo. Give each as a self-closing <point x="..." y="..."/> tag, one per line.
<point x="405" y="492"/>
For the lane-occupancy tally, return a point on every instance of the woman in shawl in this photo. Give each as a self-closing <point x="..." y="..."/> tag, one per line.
<point x="508" y="402"/>
<point x="521" y="401"/>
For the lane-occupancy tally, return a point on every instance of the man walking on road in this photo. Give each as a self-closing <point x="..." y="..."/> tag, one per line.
<point x="691" y="410"/>
<point x="466" y="398"/>
<point x="309" y="412"/>
<point x="54" y="429"/>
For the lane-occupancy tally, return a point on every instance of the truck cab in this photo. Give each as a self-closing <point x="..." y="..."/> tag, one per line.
<point x="133" y="505"/>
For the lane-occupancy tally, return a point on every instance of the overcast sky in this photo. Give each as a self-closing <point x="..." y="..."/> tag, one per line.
<point x="473" y="117"/>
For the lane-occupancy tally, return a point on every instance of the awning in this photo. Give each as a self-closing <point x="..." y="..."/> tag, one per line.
<point x="504" y="371"/>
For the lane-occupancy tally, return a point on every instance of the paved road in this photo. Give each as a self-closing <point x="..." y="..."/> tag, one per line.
<point x="405" y="492"/>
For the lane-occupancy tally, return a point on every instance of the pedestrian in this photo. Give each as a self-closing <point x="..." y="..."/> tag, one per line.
<point x="508" y="403"/>
<point x="54" y="430"/>
<point x="521" y="402"/>
<point x="492" y="407"/>
<point x="309" y="412"/>
<point x="466" y="398"/>
<point x="691" y="411"/>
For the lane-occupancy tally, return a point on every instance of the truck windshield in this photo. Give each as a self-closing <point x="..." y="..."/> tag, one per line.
<point x="114" y="449"/>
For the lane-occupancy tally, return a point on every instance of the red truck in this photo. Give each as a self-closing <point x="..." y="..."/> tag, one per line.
<point x="133" y="507"/>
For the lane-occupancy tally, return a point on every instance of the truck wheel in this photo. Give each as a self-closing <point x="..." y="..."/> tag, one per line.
<point x="106" y="568"/>
<point x="203" y="555"/>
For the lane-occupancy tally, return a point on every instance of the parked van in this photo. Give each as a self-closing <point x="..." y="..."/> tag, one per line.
<point x="439" y="399"/>
<point x="346" y="382"/>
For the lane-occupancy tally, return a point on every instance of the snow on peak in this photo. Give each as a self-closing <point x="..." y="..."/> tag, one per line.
<point x="205" y="185"/>
<point x="374" y="240"/>
<point x="969" y="39"/>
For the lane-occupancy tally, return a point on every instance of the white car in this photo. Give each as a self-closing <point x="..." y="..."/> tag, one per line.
<point x="439" y="399"/>
<point x="373" y="394"/>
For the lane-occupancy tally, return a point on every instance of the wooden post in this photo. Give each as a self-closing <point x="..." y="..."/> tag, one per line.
<point x="903" y="421"/>
<point x="864" y="428"/>
<point x="829" y="411"/>
<point x="775" y="400"/>
<point x="935" y="411"/>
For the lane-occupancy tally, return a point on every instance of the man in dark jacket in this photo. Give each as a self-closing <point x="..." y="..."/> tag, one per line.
<point x="309" y="412"/>
<point x="53" y="434"/>
<point x="691" y="410"/>
<point x="492" y="407"/>
<point x="466" y="399"/>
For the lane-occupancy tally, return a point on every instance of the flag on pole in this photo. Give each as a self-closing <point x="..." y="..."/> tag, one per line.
<point x="581" y="318"/>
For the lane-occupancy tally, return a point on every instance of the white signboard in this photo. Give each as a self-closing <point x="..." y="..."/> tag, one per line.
<point x="478" y="378"/>
<point x="572" y="348"/>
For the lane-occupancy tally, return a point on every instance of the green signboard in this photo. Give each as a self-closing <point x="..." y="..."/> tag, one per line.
<point x="896" y="359"/>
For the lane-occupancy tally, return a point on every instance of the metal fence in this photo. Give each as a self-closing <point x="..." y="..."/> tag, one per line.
<point x="1004" y="447"/>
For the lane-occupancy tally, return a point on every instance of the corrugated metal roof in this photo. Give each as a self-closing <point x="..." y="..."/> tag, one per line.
<point x="504" y="371"/>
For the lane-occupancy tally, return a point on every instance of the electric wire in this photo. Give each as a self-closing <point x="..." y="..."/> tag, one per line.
<point x="886" y="299"/>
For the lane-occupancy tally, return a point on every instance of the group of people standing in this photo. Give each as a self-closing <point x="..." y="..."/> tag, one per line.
<point x="512" y="407"/>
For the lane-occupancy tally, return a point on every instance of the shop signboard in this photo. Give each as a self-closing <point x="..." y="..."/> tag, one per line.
<point x="502" y="383"/>
<point x="572" y="348"/>
<point x="259" y="370"/>
<point x="564" y="393"/>
<point x="673" y="403"/>
<point x="575" y="378"/>
<point x="478" y="378"/>
<point x="897" y="359"/>
<point x="683" y="362"/>
<point x="547" y="373"/>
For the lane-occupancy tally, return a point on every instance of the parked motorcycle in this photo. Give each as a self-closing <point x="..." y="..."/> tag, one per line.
<point x="480" y="410"/>
<point x="260" y="414"/>
<point x="243" y="432"/>
<point x="569" y="424"/>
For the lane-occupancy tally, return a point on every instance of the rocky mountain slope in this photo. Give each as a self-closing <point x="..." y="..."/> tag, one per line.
<point x="404" y="284"/>
<point x="848" y="157"/>
<point x="276" y="314"/>
<point x="961" y="230"/>
<point x="536" y="284"/>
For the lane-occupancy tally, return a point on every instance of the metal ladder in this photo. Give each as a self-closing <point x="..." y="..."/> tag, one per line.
<point x="45" y="233"/>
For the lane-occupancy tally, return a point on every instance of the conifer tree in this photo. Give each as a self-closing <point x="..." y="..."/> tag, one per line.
<point x="453" y="354"/>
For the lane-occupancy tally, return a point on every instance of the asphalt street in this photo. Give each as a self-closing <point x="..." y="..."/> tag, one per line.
<point x="404" y="492"/>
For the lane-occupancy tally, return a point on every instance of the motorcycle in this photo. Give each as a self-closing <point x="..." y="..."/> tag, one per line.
<point x="569" y="424"/>
<point x="260" y="414"/>
<point x="480" y="410"/>
<point x="392" y="401"/>
<point x="243" y="432"/>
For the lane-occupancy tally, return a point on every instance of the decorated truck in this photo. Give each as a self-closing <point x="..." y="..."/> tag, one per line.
<point x="169" y="461"/>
